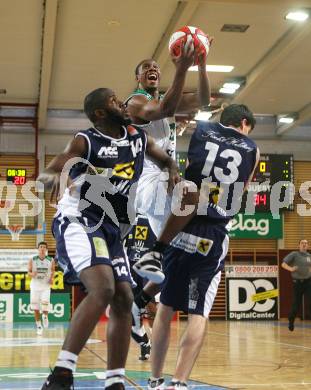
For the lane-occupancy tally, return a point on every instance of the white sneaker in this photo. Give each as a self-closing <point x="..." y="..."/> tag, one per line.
<point x="45" y="321"/>
<point x="156" y="384"/>
<point x="149" y="266"/>
<point x="39" y="330"/>
<point x="177" y="386"/>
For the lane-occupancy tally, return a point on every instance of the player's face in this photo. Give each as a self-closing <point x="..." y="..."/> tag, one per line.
<point x="149" y="74"/>
<point x="42" y="250"/>
<point x="303" y="245"/>
<point x="116" y="110"/>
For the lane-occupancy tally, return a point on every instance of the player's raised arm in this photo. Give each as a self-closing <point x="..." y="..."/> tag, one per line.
<point x="149" y="110"/>
<point x="163" y="158"/>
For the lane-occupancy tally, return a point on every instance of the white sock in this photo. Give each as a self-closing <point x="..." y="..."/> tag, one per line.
<point x="67" y="360"/>
<point x="38" y="323"/>
<point x="114" y="376"/>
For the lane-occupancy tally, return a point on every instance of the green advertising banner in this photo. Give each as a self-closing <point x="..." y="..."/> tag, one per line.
<point x="260" y="225"/>
<point x="59" y="308"/>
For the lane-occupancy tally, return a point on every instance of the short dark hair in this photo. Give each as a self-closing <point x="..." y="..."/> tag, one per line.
<point x="235" y="113"/>
<point x="140" y="64"/>
<point x="43" y="243"/>
<point x="93" y="101"/>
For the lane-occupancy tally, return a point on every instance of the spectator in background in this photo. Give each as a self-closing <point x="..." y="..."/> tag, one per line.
<point x="299" y="264"/>
<point x="41" y="269"/>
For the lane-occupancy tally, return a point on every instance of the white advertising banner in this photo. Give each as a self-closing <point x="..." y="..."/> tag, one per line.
<point x="16" y="259"/>
<point x="252" y="292"/>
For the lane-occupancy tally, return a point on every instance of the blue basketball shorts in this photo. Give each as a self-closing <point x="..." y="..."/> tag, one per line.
<point x="79" y="248"/>
<point x="192" y="265"/>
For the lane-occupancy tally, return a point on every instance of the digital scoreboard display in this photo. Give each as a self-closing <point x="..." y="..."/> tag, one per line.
<point x="16" y="176"/>
<point x="272" y="168"/>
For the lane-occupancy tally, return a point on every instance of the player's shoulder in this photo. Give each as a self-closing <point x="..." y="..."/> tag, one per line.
<point x="140" y="93"/>
<point x="86" y="132"/>
<point x="49" y="258"/>
<point x="34" y="258"/>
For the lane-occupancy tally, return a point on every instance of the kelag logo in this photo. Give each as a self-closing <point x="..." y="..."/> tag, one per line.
<point x="59" y="308"/>
<point x="6" y="307"/>
<point x="2" y="307"/>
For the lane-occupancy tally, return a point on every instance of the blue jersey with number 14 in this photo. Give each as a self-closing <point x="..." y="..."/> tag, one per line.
<point x="221" y="161"/>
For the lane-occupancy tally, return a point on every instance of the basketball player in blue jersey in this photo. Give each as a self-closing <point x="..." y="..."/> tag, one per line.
<point x="222" y="158"/>
<point x="102" y="165"/>
<point x="148" y="110"/>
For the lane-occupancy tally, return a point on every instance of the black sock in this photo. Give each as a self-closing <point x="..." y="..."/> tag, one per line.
<point x="62" y="371"/>
<point x="142" y="299"/>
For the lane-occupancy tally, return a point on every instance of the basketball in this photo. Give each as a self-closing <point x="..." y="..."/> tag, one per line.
<point x="181" y="36"/>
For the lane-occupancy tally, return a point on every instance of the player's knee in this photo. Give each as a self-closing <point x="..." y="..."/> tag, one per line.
<point x="102" y="295"/>
<point x="122" y="302"/>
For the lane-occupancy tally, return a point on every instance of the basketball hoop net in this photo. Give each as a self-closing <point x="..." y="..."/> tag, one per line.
<point x="15" y="231"/>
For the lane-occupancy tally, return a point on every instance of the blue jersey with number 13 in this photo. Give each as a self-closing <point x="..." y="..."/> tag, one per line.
<point x="221" y="161"/>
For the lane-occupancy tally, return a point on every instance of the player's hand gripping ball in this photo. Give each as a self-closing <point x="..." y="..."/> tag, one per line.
<point x="183" y="36"/>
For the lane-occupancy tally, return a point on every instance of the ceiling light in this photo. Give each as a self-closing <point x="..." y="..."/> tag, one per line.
<point x="286" y="119"/>
<point x="203" y="116"/>
<point x="228" y="91"/>
<point x="298" y="16"/>
<point x="234" y="86"/>
<point x="214" y="68"/>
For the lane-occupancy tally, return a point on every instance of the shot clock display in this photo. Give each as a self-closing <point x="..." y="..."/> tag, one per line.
<point x="16" y="176"/>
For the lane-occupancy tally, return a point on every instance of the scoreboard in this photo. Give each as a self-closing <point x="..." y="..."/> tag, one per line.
<point x="271" y="169"/>
<point x="16" y="176"/>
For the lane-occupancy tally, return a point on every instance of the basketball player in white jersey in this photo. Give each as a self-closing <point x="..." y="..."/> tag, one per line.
<point x="41" y="269"/>
<point x="146" y="107"/>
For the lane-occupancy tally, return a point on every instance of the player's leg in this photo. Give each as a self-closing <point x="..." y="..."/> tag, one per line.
<point x="45" y="305"/>
<point x="141" y="241"/>
<point x="297" y="299"/>
<point x="189" y="347"/>
<point x="99" y="282"/>
<point x="35" y="305"/>
<point x="173" y="295"/>
<point x="160" y="343"/>
<point x="204" y="274"/>
<point x="118" y="333"/>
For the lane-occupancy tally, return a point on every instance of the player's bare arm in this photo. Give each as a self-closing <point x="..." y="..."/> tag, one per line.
<point x="201" y="99"/>
<point x="50" y="176"/>
<point x="30" y="272"/>
<point x="142" y="109"/>
<point x="164" y="159"/>
<point x="52" y="271"/>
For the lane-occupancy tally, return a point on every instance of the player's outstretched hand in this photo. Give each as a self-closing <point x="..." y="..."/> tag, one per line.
<point x="186" y="56"/>
<point x="50" y="179"/>
<point x="202" y="57"/>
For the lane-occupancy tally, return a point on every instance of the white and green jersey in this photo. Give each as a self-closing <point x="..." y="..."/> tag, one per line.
<point x="162" y="130"/>
<point x="43" y="267"/>
<point x="151" y="185"/>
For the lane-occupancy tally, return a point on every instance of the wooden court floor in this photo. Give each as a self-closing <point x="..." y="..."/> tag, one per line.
<point x="235" y="355"/>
